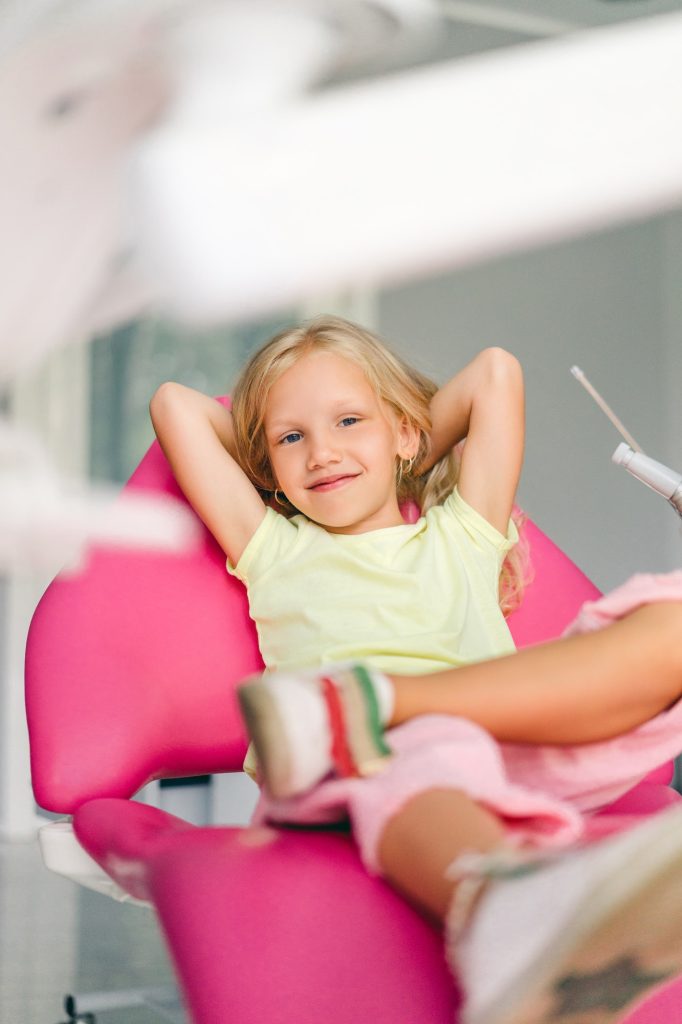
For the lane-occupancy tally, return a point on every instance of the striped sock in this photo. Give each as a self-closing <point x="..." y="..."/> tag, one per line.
<point x="358" y="746"/>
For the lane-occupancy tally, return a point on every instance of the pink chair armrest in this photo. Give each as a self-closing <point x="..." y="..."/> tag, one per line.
<point x="272" y="925"/>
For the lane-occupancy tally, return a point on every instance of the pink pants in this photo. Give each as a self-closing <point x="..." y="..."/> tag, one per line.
<point x="543" y="794"/>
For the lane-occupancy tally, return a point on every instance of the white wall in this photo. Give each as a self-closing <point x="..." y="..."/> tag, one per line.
<point x="611" y="304"/>
<point x="672" y="326"/>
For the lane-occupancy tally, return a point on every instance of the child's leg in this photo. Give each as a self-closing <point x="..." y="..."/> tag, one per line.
<point x="575" y="690"/>
<point x="588" y="932"/>
<point x="423" y="839"/>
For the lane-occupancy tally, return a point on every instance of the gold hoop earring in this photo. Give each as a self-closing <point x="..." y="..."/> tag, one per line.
<point x="404" y="469"/>
<point x="279" y="500"/>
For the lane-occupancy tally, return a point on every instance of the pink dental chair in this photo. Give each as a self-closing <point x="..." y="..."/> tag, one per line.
<point x="131" y="670"/>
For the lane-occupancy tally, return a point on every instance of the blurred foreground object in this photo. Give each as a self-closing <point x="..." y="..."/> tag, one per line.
<point x="83" y="81"/>
<point x="71" y="102"/>
<point x="45" y="522"/>
<point x="364" y="184"/>
<point x="199" y="158"/>
<point x="80" y="83"/>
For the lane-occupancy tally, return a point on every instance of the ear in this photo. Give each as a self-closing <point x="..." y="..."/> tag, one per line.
<point x="408" y="438"/>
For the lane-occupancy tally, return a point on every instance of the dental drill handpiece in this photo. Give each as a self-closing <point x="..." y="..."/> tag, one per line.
<point x="660" y="478"/>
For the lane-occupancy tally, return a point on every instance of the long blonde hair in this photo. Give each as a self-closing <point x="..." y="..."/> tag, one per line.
<point x="407" y="391"/>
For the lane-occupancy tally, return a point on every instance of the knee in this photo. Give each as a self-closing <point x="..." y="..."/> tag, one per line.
<point x="665" y="620"/>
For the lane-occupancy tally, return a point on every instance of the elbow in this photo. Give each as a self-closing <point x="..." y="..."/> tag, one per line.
<point x="501" y="367"/>
<point x="500" y="360"/>
<point x="163" y="394"/>
<point x="163" y="399"/>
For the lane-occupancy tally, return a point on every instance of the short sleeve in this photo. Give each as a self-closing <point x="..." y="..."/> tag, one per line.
<point x="484" y="535"/>
<point x="273" y="538"/>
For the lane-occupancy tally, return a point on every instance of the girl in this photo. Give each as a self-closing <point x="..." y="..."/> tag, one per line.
<point x="494" y="755"/>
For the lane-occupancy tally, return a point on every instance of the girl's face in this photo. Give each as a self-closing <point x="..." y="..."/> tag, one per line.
<point x="333" y="444"/>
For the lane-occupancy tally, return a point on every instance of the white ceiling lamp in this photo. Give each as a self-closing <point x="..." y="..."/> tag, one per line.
<point x="80" y="83"/>
<point x="434" y="168"/>
<point x="46" y="521"/>
<point x="83" y="81"/>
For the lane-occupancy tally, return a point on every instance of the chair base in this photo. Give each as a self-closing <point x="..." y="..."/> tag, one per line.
<point x="64" y="855"/>
<point x="163" y="1000"/>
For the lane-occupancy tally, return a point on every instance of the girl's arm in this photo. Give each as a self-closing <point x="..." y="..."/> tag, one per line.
<point x="484" y="402"/>
<point x="196" y="435"/>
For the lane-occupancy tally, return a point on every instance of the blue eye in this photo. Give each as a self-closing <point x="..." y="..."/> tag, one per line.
<point x="349" y="420"/>
<point x="290" y="438"/>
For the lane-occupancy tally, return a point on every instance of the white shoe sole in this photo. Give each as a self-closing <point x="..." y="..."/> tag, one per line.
<point x="624" y="942"/>
<point x="261" y="715"/>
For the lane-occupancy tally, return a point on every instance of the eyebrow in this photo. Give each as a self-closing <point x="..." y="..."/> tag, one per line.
<point x="349" y="403"/>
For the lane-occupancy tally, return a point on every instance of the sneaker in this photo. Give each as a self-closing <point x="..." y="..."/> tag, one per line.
<point x="581" y="937"/>
<point x="306" y="724"/>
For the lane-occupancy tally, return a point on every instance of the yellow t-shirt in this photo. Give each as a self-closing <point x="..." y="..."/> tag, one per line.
<point x="407" y="599"/>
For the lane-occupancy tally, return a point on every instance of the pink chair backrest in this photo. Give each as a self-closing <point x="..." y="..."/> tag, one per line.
<point x="131" y="666"/>
<point x="557" y="590"/>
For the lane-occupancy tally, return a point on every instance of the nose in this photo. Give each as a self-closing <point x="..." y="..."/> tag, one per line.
<point x="322" y="451"/>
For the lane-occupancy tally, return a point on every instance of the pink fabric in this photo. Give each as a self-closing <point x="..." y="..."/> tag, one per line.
<point x="643" y="588"/>
<point x="541" y="792"/>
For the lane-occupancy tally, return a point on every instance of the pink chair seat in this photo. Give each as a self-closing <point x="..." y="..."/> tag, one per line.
<point x="273" y="925"/>
<point x="131" y="670"/>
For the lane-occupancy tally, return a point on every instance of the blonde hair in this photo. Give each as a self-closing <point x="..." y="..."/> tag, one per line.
<point x="407" y="391"/>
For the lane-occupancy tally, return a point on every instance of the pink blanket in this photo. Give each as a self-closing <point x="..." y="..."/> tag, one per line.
<point x="544" y="794"/>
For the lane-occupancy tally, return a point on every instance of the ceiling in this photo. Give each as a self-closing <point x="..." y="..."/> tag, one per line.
<point x="474" y="27"/>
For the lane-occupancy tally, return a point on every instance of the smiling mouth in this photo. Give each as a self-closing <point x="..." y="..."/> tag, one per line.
<point x="332" y="482"/>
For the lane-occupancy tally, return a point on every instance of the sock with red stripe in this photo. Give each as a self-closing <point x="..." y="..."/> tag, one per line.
<point x="307" y="724"/>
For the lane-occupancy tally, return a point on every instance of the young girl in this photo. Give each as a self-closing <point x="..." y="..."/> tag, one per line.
<point x="491" y="756"/>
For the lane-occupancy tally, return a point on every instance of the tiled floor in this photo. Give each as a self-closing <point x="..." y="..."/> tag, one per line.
<point x="57" y="938"/>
